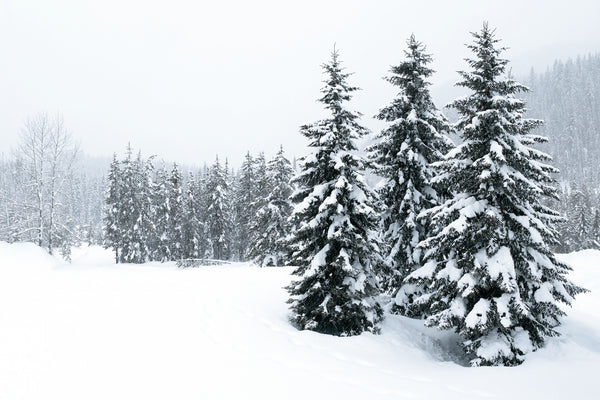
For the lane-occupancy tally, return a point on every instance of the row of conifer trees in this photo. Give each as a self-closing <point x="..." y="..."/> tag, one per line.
<point x="580" y="230"/>
<point x="156" y="214"/>
<point x="458" y="236"/>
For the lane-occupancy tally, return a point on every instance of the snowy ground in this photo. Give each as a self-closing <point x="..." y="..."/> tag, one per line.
<point x="96" y="330"/>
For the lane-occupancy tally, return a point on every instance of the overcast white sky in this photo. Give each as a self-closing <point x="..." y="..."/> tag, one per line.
<point x="189" y="79"/>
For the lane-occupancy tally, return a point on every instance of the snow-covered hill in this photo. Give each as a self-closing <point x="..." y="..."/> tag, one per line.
<point x="96" y="330"/>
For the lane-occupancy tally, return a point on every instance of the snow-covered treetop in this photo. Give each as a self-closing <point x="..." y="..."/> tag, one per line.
<point x="493" y="91"/>
<point x="342" y="123"/>
<point x="411" y="75"/>
<point x="496" y="134"/>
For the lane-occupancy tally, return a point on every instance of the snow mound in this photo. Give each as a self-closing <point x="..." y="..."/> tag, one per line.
<point x="96" y="330"/>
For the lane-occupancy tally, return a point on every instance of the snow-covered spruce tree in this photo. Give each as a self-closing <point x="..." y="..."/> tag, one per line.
<point x="488" y="270"/>
<point x="143" y="230"/>
<point x="176" y="213"/>
<point x="218" y="213"/>
<point x="415" y="136"/>
<point x="160" y="247"/>
<point x="595" y="231"/>
<point x="136" y="214"/>
<point x="230" y="181"/>
<point x="270" y="226"/>
<point x="333" y="245"/>
<point x="204" y="199"/>
<point x="129" y="208"/>
<point x="263" y="183"/>
<point x="579" y="219"/>
<point x="243" y="213"/>
<point x="192" y="229"/>
<point x="561" y="205"/>
<point x="113" y="235"/>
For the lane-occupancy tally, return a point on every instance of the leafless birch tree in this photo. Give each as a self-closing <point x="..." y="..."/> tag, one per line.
<point x="47" y="155"/>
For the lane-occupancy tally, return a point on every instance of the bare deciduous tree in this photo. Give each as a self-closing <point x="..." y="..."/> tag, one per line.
<point x="47" y="155"/>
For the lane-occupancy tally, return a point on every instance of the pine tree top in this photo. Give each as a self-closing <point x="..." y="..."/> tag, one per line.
<point x="342" y="127"/>
<point x="496" y="135"/>
<point x="493" y="90"/>
<point x="411" y="75"/>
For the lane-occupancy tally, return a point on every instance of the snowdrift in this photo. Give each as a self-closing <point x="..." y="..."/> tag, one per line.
<point x="96" y="330"/>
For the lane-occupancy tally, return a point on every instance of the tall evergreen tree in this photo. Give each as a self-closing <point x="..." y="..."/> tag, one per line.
<point x="243" y="213"/>
<point x="217" y="212"/>
<point x="561" y="205"/>
<point x="192" y="229"/>
<point x="135" y="213"/>
<point x="263" y="183"/>
<point x="580" y="219"/>
<point x="230" y="182"/>
<point x="203" y="203"/>
<point x="595" y="231"/>
<point x="270" y="225"/>
<point x="176" y="213"/>
<point x="488" y="271"/>
<point x="333" y="243"/>
<point x="161" y="204"/>
<point x="129" y="209"/>
<point x="142" y="233"/>
<point x="415" y="136"/>
<point x="113" y="235"/>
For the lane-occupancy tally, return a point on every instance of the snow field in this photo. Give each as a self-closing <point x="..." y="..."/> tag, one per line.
<point x="96" y="330"/>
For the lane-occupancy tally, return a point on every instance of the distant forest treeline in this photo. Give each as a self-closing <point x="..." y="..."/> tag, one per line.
<point x="567" y="97"/>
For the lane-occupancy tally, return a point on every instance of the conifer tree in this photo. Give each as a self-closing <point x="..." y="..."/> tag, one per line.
<point x="415" y="136"/>
<point x="217" y="212"/>
<point x="595" y="231"/>
<point x="333" y="245"/>
<point x="161" y="203"/>
<point x="203" y="203"/>
<point x="113" y="235"/>
<point x="230" y="182"/>
<point x="488" y="271"/>
<point x="176" y="213"/>
<point x="142" y="233"/>
<point x="561" y="205"/>
<point x="192" y="227"/>
<point x="128" y="209"/>
<point x="270" y="225"/>
<point x="263" y="184"/>
<point x="580" y="219"/>
<point x="243" y="213"/>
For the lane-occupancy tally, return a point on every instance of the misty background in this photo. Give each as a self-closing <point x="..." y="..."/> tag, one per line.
<point x="188" y="80"/>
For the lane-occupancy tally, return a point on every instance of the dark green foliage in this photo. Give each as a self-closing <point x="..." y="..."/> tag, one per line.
<point x="414" y="137"/>
<point x="488" y="271"/>
<point x="270" y="225"/>
<point x="192" y="230"/>
<point x="332" y="243"/>
<point x="243" y="212"/>
<point x="113" y="236"/>
<point x="218" y="213"/>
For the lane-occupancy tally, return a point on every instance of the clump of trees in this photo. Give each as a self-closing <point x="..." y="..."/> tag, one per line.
<point x="43" y="198"/>
<point x="466" y="232"/>
<point x="157" y="214"/>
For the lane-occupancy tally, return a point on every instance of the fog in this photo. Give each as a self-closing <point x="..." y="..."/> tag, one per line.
<point x="187" y="80"/>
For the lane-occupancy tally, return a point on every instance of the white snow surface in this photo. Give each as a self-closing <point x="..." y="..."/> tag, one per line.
<point x="96" y="330"/>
